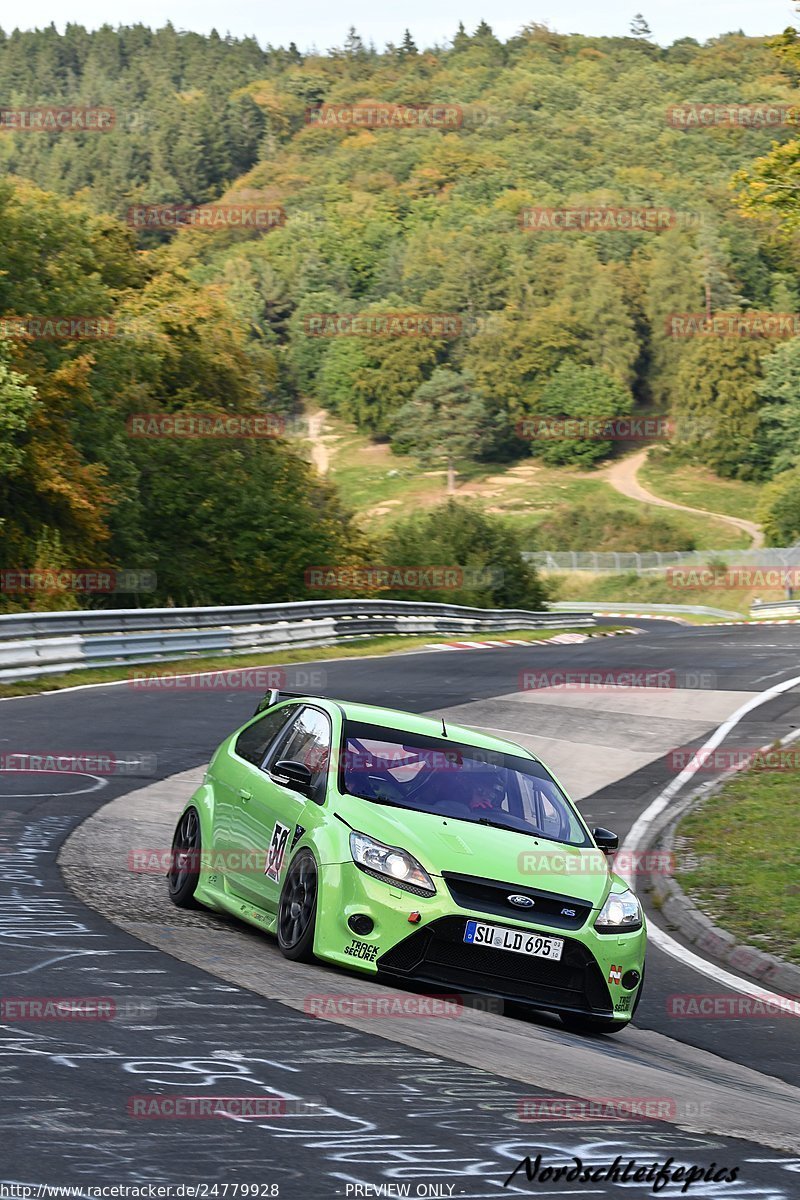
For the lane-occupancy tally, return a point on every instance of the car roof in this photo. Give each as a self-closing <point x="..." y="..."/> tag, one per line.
<point x="395" y="718"/>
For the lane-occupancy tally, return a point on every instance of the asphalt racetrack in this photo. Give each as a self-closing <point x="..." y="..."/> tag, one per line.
<point x="371" y="1107"/>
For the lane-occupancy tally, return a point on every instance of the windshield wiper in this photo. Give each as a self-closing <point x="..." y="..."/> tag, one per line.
<point x="508" y="828"/>
<point x="534" y="833"/>
<point x="378" y="800"/>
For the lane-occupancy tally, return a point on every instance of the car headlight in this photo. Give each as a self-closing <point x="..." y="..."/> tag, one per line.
<point x="621" y="913"/>
<point x="391" y="864"/>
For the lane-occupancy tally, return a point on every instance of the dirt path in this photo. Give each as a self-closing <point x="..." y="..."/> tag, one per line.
<point x="622" y="476"/>
<point x="320" y="455"/>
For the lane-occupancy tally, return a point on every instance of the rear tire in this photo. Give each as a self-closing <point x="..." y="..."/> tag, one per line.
<point x="184" y="868"/>
<point x="297" y="909"/>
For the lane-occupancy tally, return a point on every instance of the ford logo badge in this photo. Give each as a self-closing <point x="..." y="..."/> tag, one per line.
<point x="521" y="901"/>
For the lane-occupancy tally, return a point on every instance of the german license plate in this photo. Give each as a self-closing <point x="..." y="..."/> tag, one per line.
<point x="516" y="940"/>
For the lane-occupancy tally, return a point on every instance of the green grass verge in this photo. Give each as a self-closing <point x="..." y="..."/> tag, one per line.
<point x="609" y="512"/>
<point x="363" y="647"/>
<point x="700" y="488"/>
<point x="380" y="487"/>
<point x="630" y="588"/>
<point x="741" y="860"/>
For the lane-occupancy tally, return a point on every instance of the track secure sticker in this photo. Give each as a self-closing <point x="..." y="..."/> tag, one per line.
<point x="277" y="851"/>
<point x="623" y="1004"/>
<point x="615" y="974"/>
<point x="362" y="950"/>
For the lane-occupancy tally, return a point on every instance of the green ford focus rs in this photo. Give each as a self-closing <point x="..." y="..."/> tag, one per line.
<point x="402" y="847"/>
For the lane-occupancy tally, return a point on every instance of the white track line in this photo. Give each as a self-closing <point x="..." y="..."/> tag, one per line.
<point x="100" y="783"/>
<point x="638" y="835"/>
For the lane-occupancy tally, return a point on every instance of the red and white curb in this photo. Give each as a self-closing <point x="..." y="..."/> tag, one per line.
<point x="650" y="616"/>
<point x="757" y="621"/>
<point x="561" y="639"/>
<point x="717" y="624"/>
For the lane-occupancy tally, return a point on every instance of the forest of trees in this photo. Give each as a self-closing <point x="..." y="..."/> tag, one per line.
<point x="402" y="217"/>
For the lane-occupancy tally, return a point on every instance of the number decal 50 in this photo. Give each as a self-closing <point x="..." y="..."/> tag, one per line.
<point x="277" y="851"/>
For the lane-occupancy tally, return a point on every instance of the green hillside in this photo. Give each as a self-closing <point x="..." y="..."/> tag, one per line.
<point x="407" y="181"/>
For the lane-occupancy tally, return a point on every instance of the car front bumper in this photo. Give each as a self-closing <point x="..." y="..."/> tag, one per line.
<point x="587" y="979"/>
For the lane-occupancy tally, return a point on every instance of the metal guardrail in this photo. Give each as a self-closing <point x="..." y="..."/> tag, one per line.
<point x="601" y="607"/>
<point x="35" y="644"/>
<point x="777" y="608"/>
<point x="656" y="560"/>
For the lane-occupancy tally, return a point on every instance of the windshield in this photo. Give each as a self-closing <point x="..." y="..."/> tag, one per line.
<point x="465" y="783"/>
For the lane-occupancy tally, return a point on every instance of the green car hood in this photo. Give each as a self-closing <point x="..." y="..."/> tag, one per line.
<point x="466" y="848"/>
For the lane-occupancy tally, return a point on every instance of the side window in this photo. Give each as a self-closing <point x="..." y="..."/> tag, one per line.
<point x="307" y="740"/>
<point x="551" y="819"/>
<point x="545" y="811"/>
<point x="254" y="741"/>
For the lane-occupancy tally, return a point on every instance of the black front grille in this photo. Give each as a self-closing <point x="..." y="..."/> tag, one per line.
<point x="491" y="896"/>
<point x="438" y="954"/>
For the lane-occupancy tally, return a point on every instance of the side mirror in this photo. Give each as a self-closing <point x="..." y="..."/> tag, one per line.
<point x="607" y="841"/>
<point x="294" y="775"/>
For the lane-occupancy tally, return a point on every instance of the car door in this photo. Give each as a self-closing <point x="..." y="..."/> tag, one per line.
<point x="276" y="810"/>
<point x="235" y="775"/>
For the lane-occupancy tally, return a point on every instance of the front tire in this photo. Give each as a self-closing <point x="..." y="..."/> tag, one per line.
<point x="577" y="1023"/>
<point x="297" y="909"/>
<point x="184" y="867"/>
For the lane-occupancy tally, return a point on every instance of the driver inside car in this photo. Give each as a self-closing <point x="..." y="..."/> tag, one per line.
<point x="456" y="794"/>
<point x="484" y="793"/>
